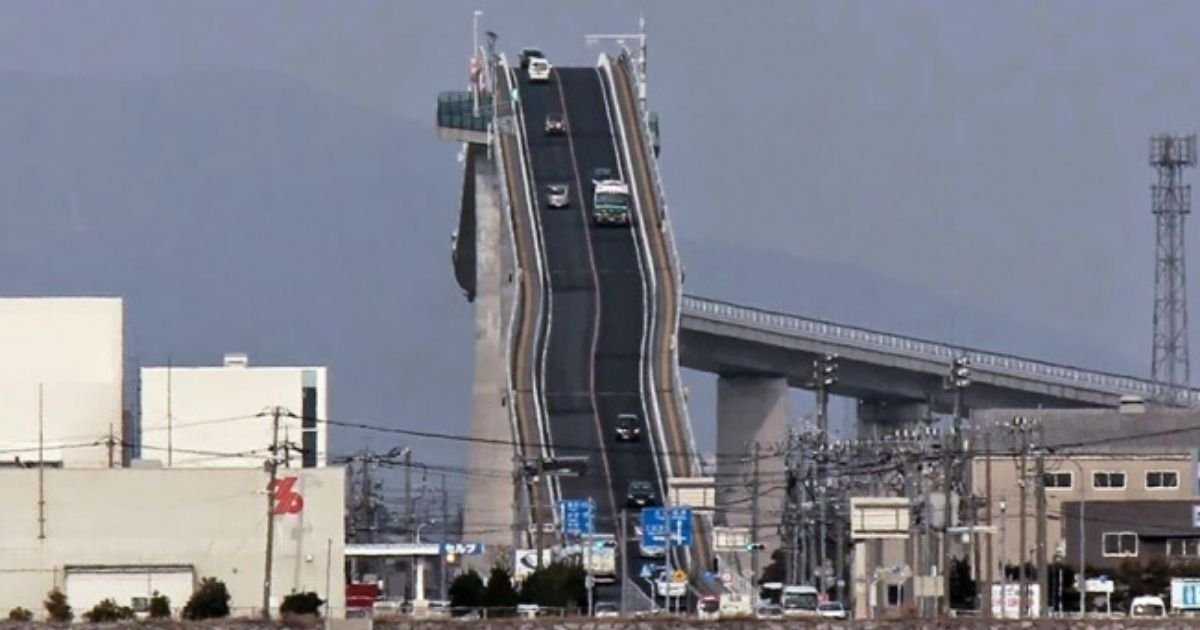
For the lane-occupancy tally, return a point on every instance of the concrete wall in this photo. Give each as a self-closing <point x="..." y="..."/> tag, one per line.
<point x="1005" y="473"/>
<point x="214" y="413"/>
<point x="213" y="520"/>
<point x="70" y="348"/>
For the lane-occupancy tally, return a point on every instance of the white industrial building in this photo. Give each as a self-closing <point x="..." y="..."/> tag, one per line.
<point x="81" y="523"/>
<point x="123" y="533"/>
<point x="61" y="366"/>
<point x="221" y="416"/>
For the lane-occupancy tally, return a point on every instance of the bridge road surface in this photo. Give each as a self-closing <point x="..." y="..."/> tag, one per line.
<point x="572" y="324"/>
<point x="618" y="359"/>
<point x="594" y="353"/>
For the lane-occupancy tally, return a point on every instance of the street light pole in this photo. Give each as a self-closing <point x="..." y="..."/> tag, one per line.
<point x="477" y="66"/>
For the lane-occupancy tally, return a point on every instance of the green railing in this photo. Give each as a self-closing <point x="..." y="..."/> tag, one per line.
<point x="456" y="110"/>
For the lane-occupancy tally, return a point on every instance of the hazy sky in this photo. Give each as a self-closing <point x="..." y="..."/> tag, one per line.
<point x="992" y="153"/>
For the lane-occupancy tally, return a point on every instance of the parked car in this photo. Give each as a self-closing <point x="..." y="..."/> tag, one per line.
<point x="768" y="611"/>
<point x="528" y="611"/>
<point x="607" y="609"/>
<point x="832" y="610"/>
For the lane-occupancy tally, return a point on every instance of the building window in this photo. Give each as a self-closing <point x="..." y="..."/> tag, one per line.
<point x="1120" y="544"/>
<point x="1108" y="480"/>
<point x="1183" y="547"/>
<point x="1059" y="480"/>
<point x="895" y="594"/>
<point x="1162" y="479"/>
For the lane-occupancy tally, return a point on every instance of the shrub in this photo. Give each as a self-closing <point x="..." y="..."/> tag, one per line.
<point x="466" y="591"/>
<point x="210" y="601"/>
<point x="500" y="592"/>
<point x="160" y="606"/>
<point x="301" y="604"/>
<point x="20" y="614"/>
<point x="57" y="607"/>
<point x="108" y="611"/>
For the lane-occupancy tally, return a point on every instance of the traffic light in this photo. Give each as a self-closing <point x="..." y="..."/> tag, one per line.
<point x="755" y="546"/>
<point x="960" y="373"/>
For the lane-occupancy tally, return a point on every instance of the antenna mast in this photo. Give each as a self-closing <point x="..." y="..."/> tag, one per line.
<point x="1172" y="201"/>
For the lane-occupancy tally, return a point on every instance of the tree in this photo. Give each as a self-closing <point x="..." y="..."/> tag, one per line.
<point x="558" y="585"/>
<point x="466" y="591"/>
<point x="23" y="615"/>
<point x="301" y="604"/>
<point x="210" y="601"/>
<point x="57" y="607"/>
<point x="962" y="587"/>
<point x="777" y="570"/>
<point x="160" y="606"/>
<point x="500" y="592"/>
<point x="108" y="611"/>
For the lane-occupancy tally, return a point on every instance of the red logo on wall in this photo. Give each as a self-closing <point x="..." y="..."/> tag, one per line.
<point x="287" y="500"/>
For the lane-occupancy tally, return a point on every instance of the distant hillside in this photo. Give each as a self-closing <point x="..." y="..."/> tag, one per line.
<point x="245" y="211"/>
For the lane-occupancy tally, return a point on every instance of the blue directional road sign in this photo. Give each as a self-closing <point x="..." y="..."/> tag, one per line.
<point x="657" y="523"/>
<point x="462" y="548"/>
<point x="578" y="516"/>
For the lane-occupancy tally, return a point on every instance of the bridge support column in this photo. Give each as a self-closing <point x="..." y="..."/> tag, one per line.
<point x="886" y="416"/>
<point x="489" y="516"/>
<point x="749" y="409"/>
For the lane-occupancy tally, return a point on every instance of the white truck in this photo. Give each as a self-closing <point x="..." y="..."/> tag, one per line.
<point x="600" y="557"/>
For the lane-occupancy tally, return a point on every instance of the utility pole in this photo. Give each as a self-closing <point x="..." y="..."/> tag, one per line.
<point x="445" y="525"/>
<point x="621" y="540"/>
<point x="825" y="376"/>
<point x="1003" y="559"/>
<point x="948" y="490"/>
<point x="1043" y="583"/>
<point x="272" y="470"/>
<point x="987" y="462"/>
<point x="1022" y="425"/>
<point x="754" y="515"/>
<point x="410" y="509"/>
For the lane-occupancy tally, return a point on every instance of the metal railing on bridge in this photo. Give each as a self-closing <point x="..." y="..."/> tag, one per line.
<point x="922" y="349"/>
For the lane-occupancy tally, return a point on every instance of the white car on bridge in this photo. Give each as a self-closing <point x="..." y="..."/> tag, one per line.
<point x="539" y="70"/>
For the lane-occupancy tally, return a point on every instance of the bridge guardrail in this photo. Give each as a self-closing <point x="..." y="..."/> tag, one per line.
<point x="676" y="270"/>
<point x="922" y="349"/>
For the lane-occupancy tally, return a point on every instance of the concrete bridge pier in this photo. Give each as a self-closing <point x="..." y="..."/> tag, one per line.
<point x="881" y="416"/>
<point x="752" y="408"/>
<point x="489" y="512"/>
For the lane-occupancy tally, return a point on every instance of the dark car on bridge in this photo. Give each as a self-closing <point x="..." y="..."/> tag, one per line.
<point x="628" y="428"/>
<point x="556" y="125"/>
<point x="640" y="495"/>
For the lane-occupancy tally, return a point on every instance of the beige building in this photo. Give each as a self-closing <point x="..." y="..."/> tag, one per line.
<point x="220" y="416"/>
<point x="61" y="375"/>
<point x="123" y="533"/>
<point x="1091" y="455"/>
<point x="1106" y="477"/>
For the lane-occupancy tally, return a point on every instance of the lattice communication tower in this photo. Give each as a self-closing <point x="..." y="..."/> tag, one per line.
<point x="1172" y="201"/>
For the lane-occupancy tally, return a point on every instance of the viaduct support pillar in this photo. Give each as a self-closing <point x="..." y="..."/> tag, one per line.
<point x="489" y="511"/>
<point x="752" y="408"/>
